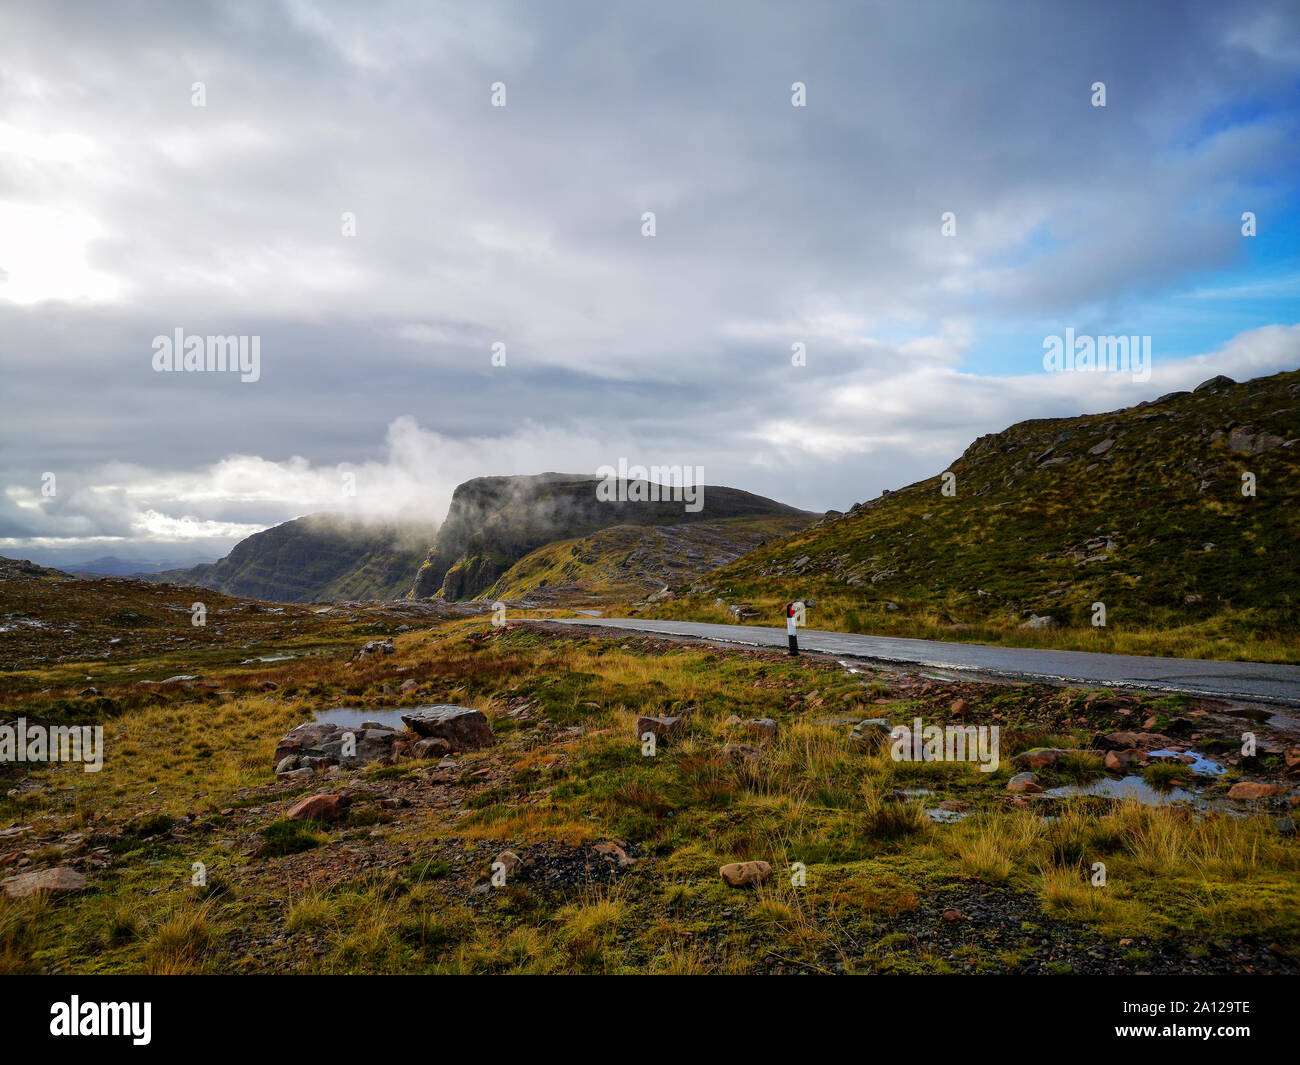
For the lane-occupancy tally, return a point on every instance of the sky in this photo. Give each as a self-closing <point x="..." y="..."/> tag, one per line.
<point x="377" y="194"/>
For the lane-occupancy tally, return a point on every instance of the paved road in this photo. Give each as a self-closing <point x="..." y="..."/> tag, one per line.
<point x="1249" y="681"/>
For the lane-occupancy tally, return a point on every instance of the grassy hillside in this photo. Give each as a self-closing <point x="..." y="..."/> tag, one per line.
<point x="634" y="561"/>
<point x="1140" y="509"/>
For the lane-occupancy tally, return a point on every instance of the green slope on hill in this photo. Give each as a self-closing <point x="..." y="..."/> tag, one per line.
<point x="1141" y="510"/>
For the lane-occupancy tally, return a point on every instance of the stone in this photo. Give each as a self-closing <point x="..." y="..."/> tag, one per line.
<point x="324" y="739"/>
<point x="1219" y="381"/>
<point x="954" y="805"/>
<point x="1123" y="761"/>
<point x="1040" y="757"/>
<point x="323" y="807"/>
<point x="408" y="686"/>
<point x="431" y="747"/>
<point x="874" y="731"/>
<point x="1044" y="622"/>
<point x="60" y="880"/>
<point x="267" y="686"/>
<point x="745" y="874"/>
<point x="510" y="861"/>
<point x="764" y="726"/>
<point x="740" y="752"/>
<point x="1251" y="789"/>
<point x="614" y="852"/>
<point x="1103" y="447"/>
<point x="463" y="728"/>
<point x="372" y="649"/>
<point x="959" y="708"/>
<point x="661" y="727"/>
<point x="1122" y="741"/>
<point x="1024" y="782"/>
<point x="288" y="762"/>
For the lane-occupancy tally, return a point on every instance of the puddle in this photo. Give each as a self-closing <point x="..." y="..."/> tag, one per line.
<point x="353" y="718"/>
<point x="849" y="669"/>
<point x="946" y="817"/>
<point x="269" y="658"/>
<point x="1202" y="766"/>
<point x="1131" y="788"/>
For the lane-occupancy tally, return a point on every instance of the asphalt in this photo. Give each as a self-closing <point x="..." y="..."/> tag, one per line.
<point x="1261" y="682"/>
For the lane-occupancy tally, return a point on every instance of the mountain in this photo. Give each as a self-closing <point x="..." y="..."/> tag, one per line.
<point x="320" y="557"/>
<point x="112" y="566"/>
<point x="1142" y="510"/>
<point x="493" y="522"/>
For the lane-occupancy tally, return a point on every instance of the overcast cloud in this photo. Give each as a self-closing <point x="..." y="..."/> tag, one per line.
<point x="127" y="212"/>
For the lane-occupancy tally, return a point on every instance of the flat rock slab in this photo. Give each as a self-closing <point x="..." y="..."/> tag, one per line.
<point x="463" y="728"/>
<point x="59" y="880"/>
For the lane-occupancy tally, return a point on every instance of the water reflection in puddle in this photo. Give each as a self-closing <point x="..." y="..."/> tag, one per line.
<point x="1131" y="788"/>
<point x="350" y="717"/>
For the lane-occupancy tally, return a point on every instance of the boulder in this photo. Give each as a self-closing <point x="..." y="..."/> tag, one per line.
<point x="1040" y="757"/>
<point x="1219" y="381"/>
<point x="323" y="807"/>
<point x="373" y="649"/>
<point x="745" y="874"/>
<point x="463" y="728"/>
<point x="1123" y="761"/>
<point x="1024" y="782"/>
<point x="59" y="880"/>
<point x="1251" y="789"/>
<point x="874" y="731"/>
<point x="662" y="727"/>
<point x="1046" y="621"/>
<point x="431" y="747"/>
<point x="510" y="861"/>
<point x="1123" y="741"/>
<point x="327" y="741"/>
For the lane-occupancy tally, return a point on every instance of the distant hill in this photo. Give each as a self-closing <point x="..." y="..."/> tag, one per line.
<point x="317" y="558"/>
<point x="1140" y="509"/>
<point x="112" y="566"/>
<point x="493" y="522"/>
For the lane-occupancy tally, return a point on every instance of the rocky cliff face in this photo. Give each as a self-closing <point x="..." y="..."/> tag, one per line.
<point x="318" y="558"/>
<point x="493" y="522"/>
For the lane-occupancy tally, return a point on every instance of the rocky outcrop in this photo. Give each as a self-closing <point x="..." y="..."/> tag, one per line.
<point x="493" y="522"/>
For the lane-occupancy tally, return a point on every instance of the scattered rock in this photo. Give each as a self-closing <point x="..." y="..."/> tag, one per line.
<point x="372" y="649"/>
<point x="431" y="747"/>
<point x="1046" y="621"/>
<point x="745" y="874"/>
<point x="661" y="727"/>
<point x="1024" y="782"/>
<point x="1251" y="789"/>
<point x="463" y="728"/>
<point x="323" y="807"/>
<point x="1219" y="381"/>
<point x="874" y="731"/>
<point x="326" y="742"/>
<point x="59" y="880"/>
<point x="510" y="861"/>
<point x="1040" y="757"/>
<point x="740" y="752"/>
